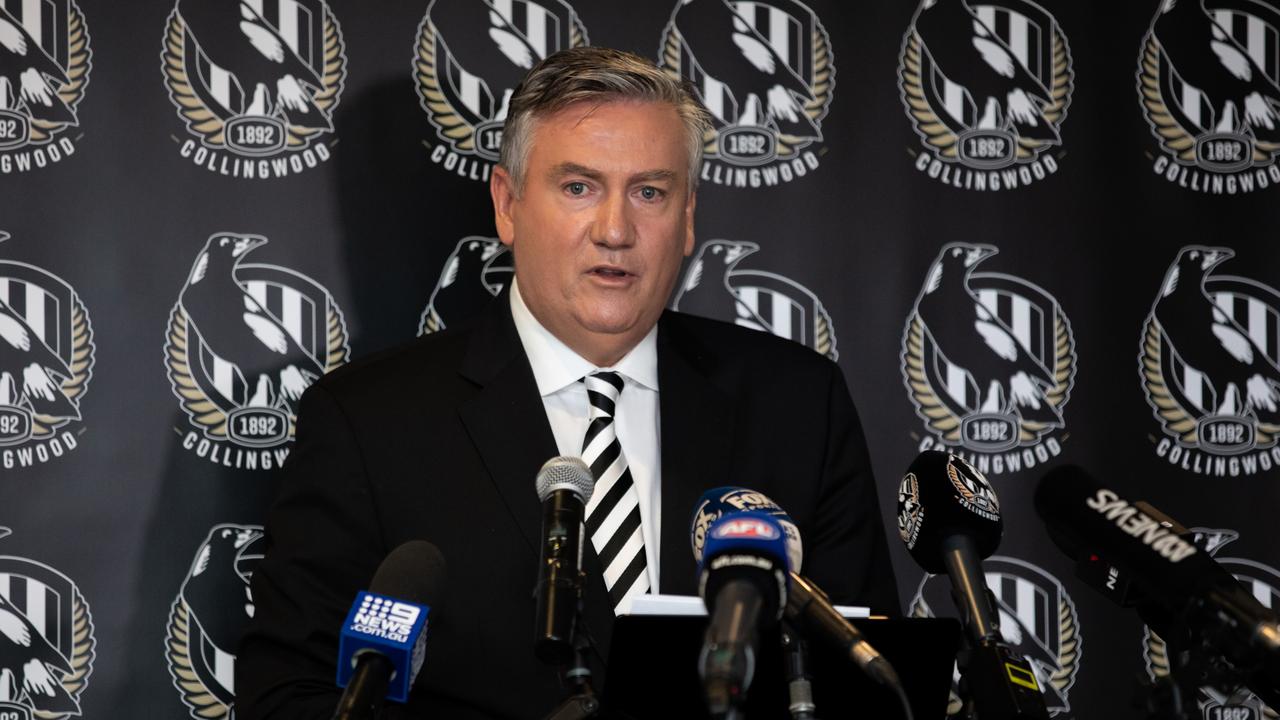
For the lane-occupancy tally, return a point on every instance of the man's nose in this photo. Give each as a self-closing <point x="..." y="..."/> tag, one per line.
<point x="612" y="226"/>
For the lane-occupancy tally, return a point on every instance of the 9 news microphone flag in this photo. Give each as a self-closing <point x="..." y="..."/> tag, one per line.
<point x="383" y="640"/>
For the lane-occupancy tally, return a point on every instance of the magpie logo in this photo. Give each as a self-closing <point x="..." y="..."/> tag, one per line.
<point x="1209" y="86"/>
<point x="469" y="57"/>
<point x="910" y="513"/>
<point x="255" y="83"/>
<point x="988" y="360"/>
<point x="1037" y="620"/>
<point x="765" y="71"/>
<point x="210" y="612"/>
<point x="244" y="341"/>
<point x="1263" y="583"/>
<point x="1210" y="367"/>
<point x="44" y="68"/>
<point x="46" y="641"/>
<point x="46" y="362"/>
<point x="986" y="87"/>
<point x="474" y="273"/>
<point x="974" y="493"/>
<point x="715" y="287"/>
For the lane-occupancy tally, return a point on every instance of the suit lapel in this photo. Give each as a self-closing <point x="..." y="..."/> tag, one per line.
<point x="506" y="418"/>
<point x="697" y="431"/>
<point x="508" y="424"/>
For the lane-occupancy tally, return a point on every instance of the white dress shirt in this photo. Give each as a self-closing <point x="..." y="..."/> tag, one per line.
<point x="558" y="371"/>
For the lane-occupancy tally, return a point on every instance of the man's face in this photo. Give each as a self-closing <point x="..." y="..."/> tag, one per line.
<point x="601" y="224"/>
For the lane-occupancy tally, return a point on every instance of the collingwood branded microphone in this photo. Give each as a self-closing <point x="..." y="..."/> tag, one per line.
<point x="383" y="640"/>
<point x="949" y="519"/>
<point x="1149" y="561"/>
<point x="743" y="581"/>
<point x="564" y="486"/>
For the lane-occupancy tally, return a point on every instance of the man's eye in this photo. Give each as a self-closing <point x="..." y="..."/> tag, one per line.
<point x="650" y="193"/>
<point x="576" y="188"/>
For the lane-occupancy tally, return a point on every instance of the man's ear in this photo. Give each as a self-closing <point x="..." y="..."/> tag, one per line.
<point x="689" y="207"/>
<point x="502" y="189"/>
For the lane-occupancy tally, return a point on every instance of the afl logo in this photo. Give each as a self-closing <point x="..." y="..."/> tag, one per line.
<point x="469" y="57"/>
<point x="743" y="529"/>
<point x="48" y="641"/>
<point x="1037" y="620"/>
<point x="244" y="341"/>
<point x="44" y="68"/>
<point x="988" y="360"/>
<point x="477" y="270"/>
<point x="46" y="361"/>
<point x="1209" y="85"/>
<point x="715" y="287"/>
<point x="255" y="82"/>
<point x="208" y="616"/>
<point x="765" y="71"/>
<point x="1262" y="583"/>
<point x="986" y="86"/>
<point x="1210" y="367"/>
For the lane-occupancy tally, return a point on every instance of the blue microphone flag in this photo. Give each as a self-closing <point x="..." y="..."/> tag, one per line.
<point x="390" y="627"/>
<point x="722" y="500"/>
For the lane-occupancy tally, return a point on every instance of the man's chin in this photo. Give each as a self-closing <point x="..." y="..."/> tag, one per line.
<point x="609" y="326"/>
<point x="615" y="325"/>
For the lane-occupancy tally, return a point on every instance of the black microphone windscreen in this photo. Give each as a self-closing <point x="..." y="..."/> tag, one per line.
<point x="1057" y="496"/>
<point x="943" y="496"/>
<point x="1086" y="519"/>
<point x="414" y="571"/>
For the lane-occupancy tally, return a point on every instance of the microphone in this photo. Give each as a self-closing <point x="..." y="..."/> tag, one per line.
<point x="743" y="581"/>
<point x="718" y="501"/>
<point x="564" y="486"/>
<point x="949" y="519"/>
<point x="383" y="640"/>
<point x="807" y="606"/>
<point x="1180" y="591"/>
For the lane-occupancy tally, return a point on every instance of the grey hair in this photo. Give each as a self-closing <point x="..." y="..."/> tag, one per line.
<point x="595" y="74"/>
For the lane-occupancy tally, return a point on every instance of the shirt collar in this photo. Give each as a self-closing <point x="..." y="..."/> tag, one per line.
<point x="556" y="366"/>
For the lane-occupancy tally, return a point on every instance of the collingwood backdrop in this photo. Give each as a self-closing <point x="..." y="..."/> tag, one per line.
<point x="1071" y="259"/>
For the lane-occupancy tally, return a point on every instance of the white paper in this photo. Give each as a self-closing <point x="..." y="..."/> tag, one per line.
<point x="692" y="605"/>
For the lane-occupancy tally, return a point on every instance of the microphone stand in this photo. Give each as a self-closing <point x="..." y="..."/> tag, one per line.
<point x="1166" y="698"/>
<point x="800" y="690"/>
<point x="1193" y="666"/>
<point x="995" y="682"/>
<point x="582" y="702"/>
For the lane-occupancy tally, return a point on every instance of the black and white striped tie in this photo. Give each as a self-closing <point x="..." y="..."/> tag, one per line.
<point x="613" y="513"/>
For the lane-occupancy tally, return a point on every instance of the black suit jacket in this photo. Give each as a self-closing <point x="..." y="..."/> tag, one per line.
<point x="441" y="441"/>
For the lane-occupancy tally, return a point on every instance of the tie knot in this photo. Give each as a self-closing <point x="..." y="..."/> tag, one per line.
<point x="603" y="388"/>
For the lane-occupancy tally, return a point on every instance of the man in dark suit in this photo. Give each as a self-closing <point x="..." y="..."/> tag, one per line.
<point x="441" y="440"/>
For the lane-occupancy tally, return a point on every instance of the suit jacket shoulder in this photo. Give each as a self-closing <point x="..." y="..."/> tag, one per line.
<point x="746" y="408"/>
<point x="721" y="348"/>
